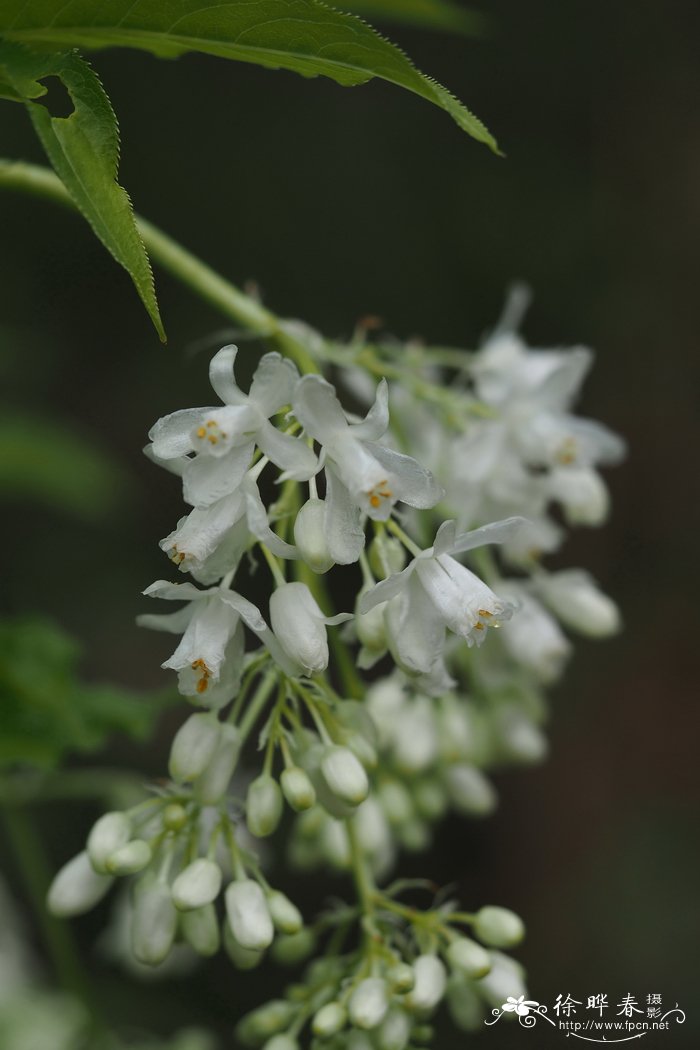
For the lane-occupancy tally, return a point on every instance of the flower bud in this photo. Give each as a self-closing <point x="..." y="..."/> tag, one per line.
<point x="395" y="1031"/>
<point x="386" y="556"/>
<point x="368" y="1003"/>
<point x="242" y="958"/>
<point x="297" y="788"/>
<point x="576" y="600"/>
<point x="107" y="835"/>
<point x="193" y="747"/>
<point x="582" y="494"/>
<point x="200" y="928"/>
<point x="470" y="791"/>
<point x="153" y="923"/>
<point x="310" y="536"/>
<point x="370" y="626"/>
<point x="248" y="915"/>
<point x="414" y="835"/>
<point x="468" y="957"/>
<point x="269" y="1019"/>
<point x="174" y="817"/>
<point x="285" y="915"/>
<point x="344" y="775"/>
<point x="430" y="799"/>
<point x="198" y="884"/>
<point x="281" y="1042"/>
<point x="498" y="927"/>
<point x="329" y="1019"/>
<point x="129" y="859"/>
<point x="211" y="785"/>
<point x="293" y="948"/>
<point x="505" y="978"/>
<point x="76" y="888"/>
<point x="396" y="802"/>
<point x="357" y="1040"/>
<point x="300" y="626"/>
<point x="465" y="1005"/>
<point x="401" y="978"/>
<point x="430" y="981"/>
<point x="263" y="806"/>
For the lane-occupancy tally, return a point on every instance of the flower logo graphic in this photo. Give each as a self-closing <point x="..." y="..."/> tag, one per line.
<point x="520" y="1006"/>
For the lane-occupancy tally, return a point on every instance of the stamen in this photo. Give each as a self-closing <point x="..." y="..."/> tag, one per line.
<point x="203" y="683"/>
<point x="485" y="612"/>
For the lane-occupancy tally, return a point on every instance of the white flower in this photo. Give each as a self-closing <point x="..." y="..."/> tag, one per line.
<point x="300" y="626"/>
<point x="534" y="637"/>
<point x="363" y="473"/>
<point x="435" y="591"/>
<point x="211" y="540"/>
<point x="209" y="658"/>
<point x="573" y="596"/>
<point x="224" y="438"/>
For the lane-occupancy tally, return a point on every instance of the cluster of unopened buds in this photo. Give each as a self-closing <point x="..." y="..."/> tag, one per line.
<point x="372" y="746"/>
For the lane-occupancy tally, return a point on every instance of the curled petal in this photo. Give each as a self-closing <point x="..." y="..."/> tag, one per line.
<point x="222" y="379"/>
<point x="290" y="453"/>
<point x="375" y="423"/>
<point x="171" y="436"/>
<point x="495" y="532"/>
<point x="414" y="484"/>
<point x="318" y="410"/>
<point x="273" y="383"/>
<point x="386" y="590"/>
<point x="207" y="479"/>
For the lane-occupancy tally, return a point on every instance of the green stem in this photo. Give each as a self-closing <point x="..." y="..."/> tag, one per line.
<point x="256" y="705"/>
<point x="181" y="264"/>
<point x="31" y="861"/>
<point x="364" y="883"/>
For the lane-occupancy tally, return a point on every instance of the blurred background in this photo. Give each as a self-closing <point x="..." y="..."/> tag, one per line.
<point x="340" y="203"/>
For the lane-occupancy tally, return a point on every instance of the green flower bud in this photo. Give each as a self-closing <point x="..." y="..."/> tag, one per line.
<point x="396" y="802"/>
<point x="464" y="1003"/>
<point x="108" y="834"/>
<point x="368" y="1003"/>
<point x="174" y="817"/>
<point x="76" y="888"/>
<point x="293" y="948"/>
<point x="269" y="1019"/>
<point x="129" y="859"/>
<point x="310" y="536"/>
<point x="498" y="927"/>
<point x="154" y="922"/>
<point x="297" y="789"/>
<point x="468" y="957"/>
<point x="329" y="1019"/>
<point x="281" y="1042"/>
<point x="414" y="835"/>
<point x="395" y="1031"/>
<point x="370" y="626"/>
<point x="193" y="747"/>
<point x="401" y="978"/>
<point x="198" y="884"/>
<point x="212" y="784"/>
<point x="344" y="775"/>
<point x="248" y="915"/>
<point x="285" y="915"/>
<point x="200" y="929"/>
<point x="430" y="799"/>
<point x="242" y="958"/>
<point x="386" y="556"/>
<point x="263" y="806"/>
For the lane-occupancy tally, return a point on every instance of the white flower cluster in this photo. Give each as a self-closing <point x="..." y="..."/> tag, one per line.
<point x="366" y="765"/>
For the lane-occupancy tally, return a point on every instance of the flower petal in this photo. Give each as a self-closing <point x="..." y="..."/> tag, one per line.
<point x="173" y="623"/>
<point x="445" y="538"/>
<point x="345" y="536"/>
<point x="175" y="592"/>
<point x="375" y="423"/>
<point x="413" y="483"/>
<point x="222" y="379"/>
<point x="494" y="532"/>
<point x="258" y="524"/>
<point x="386" y="589"/>
<point x="207" y="479"/>
<point x="273" y="383"/>
<point x="290" y="453"/>
<point x="415" y="631"/>
<point x="318" y="410"/>
<point x="174" y="466"/>
<point x="170" y="436"/>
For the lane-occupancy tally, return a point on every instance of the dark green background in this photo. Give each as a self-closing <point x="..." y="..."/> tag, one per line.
<point x="341" y="203"/>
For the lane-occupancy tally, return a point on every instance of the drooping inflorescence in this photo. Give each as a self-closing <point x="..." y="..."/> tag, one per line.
<point x="371" y="731"/>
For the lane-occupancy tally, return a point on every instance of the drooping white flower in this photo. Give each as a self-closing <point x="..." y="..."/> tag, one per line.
<point x="435" y="592"/>
<point x="300" y="626"/>
<point x="534" y="637"/>
<point x="211" y="540"/>
<point x="578" y="602"/>
<point x="209" y="658"/>
<point x="223" y="438"/>
<point x="364" y="474"/>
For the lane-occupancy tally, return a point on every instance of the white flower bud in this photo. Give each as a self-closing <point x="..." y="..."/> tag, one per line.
<point x="498" y="927"/>
<point x="344" y="775"/>
<point x="200" y="928"/>
<point x="198" y="884"/>
<point x="505" y="978"/>
<point x="107" y="835"/>
<point x="297" y="789"/>
<point x="430" y="982"/>
<point x="464" y="1003"/>
<point x="76" y="888"/>
<point x="263" y="806"/>
<point x="329" y="1019"/>
<point x="395" y="1031"/>
<point x="368" y="1003"/>
<point x="300" y="626"/>
<point x="211" y="785"/>
<point x="401" y="978"/>
<point x="396" y="802"/>
<point x="335" y="844"/>
<point x="281" y="1042"/>
<point x="285" y="915"/>
<point x="129" y="859"/>
<point x="193" y="747"/>
<point x="248" y="915"/>
<point x="533" y="637"/>
<point x="154" y="922"/>
<point x="415" y="738"/>
<point x="470" y="791"/>
<point x="242" y="958"/>
<point x="387" y="555"/>
<point x="582" y="494"/>
<point x="266" y="1021"/>
<point x="370" y="626"/>
<point x="468" y="957"/>
<point x="414" y="835"/>
<point x="574" y="597"/>
<point x="290" y="949"/>
<point x="430" y="799"/>
<point x="310" y="536"/>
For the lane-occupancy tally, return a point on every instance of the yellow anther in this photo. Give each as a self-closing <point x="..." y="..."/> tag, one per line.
<point x="201" y="432"/>
<point x="374" y="500"/>
<point x="478" y="626"/>
<point x="485" y="612"/>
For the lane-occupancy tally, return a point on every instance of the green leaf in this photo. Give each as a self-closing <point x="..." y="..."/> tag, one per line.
<point x="84" y="151"/>
<point x="46" y="712"/>
<point x="425" y="14"/>
<point x="304" y="36"/>
<point x="48" y="463"/>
